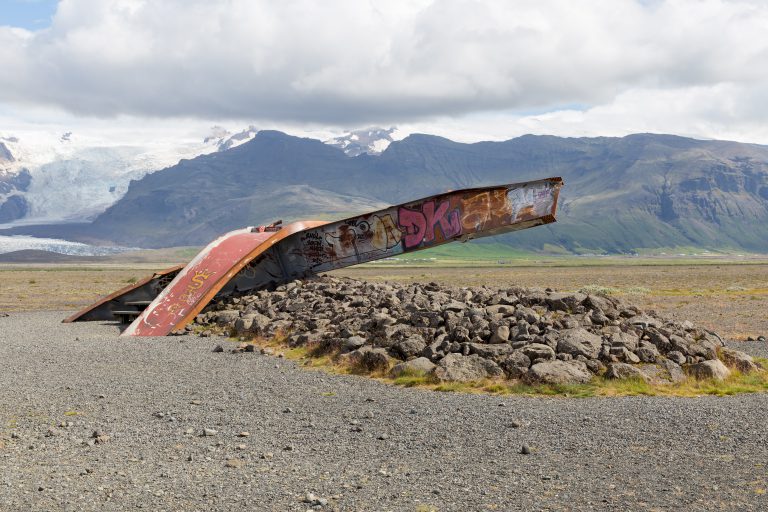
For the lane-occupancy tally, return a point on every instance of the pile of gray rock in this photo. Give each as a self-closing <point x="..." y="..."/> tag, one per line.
<point x="475" y="333"/>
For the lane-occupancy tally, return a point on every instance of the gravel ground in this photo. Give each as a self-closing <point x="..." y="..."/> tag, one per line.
<point x="753" y="348"/>
<point x="357" y="443"/>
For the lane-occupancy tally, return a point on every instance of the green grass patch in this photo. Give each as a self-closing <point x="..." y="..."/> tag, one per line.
<point x="601" y="387"/>
<point x="325" y="359"/>
<point x="594" y="289"/>
<point x="409" y="381"/>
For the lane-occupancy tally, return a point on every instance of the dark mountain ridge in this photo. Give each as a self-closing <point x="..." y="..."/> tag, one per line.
<point x="621" y="194"/>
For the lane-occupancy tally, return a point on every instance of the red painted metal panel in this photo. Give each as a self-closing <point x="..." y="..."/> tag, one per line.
<point x="198" y="277"/>
<point x="204" y="276"/>
<point x="101" y="309"/>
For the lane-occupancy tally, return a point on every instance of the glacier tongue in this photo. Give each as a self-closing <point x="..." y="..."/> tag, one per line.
<point x="64" y="176"/>
<point x="22" y="242"/>
<point x="75" y="178"/>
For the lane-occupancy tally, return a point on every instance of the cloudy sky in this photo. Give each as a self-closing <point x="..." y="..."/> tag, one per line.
<point x="466" y="69"/>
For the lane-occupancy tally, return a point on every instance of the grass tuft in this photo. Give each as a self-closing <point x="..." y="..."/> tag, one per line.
<point x="410" y="379"/>
<point x="595" y="289"/>
<point x="326" y="358"/>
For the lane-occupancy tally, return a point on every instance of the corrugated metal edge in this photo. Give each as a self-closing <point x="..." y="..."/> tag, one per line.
<point x="121" y="291"/>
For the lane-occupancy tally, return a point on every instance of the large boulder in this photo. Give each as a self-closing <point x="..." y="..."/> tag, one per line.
<point x="681" y="344"/>
<point x="647" y="352"/>
<point x="659" y="340"/>
<point x="369" y="359"/>
<point x="500" y="334"/>
<point x="435" y="350"/>
<point x="626" y="371"/>
<point x="538" y="351"/>
<point x="626" y="340"/>
<point x="515" y="364"/>
<point x="676" y="356"/>
<point x="625" y="355"/>
<point x="714" y="369"/>
<point x="454" y="306"/>
<point x="580" y="342"/>
<point x="738" y="360"/>
<point x="392" y="333"/>
<point x="382" y="320"/>
<point x="666" y="372"/>
<point x="227" y="316"/>
<point x="253" y="322"/>
<point x="500" y="309"/>
<point x="409" y="347"/>
<point x="645" y="321"/>
<point x="353" y="343"/>
<point x="495" y="352"/>
<point x="457" y="367"/>
<point x="559" y="372"/>
<point x="418" y="366"/>
<point x="599" y="303"/>
<point x="674" y="372"/>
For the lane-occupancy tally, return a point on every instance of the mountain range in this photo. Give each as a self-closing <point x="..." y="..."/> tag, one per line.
<point x="64" y="177"/>
<point x="621" y="195"/>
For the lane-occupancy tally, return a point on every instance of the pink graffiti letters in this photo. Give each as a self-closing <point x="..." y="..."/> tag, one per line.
<point x="449" y="222"/>
<point x="419" y="226"/>
<point x="413" y="224"/>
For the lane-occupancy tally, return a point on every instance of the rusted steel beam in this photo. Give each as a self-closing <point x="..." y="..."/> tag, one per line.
<point x="214" y="270"/>
<point x="144" y="290"/>
<point x="460" y="215"/>
<point x="256" y="258"/>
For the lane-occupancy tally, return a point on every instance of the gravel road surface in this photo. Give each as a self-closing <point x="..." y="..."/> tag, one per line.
<point x="90" y="421"/>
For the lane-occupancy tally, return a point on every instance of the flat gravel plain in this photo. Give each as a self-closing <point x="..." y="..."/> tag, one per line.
<point x="327" y="442"/>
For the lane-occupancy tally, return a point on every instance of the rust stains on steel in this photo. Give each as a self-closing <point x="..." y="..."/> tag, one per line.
<point x="256" y="258"/>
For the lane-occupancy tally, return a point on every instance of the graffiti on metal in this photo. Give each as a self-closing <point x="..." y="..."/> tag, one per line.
<point x="254" y="258"/>
<point x="237" y="261"/>
<point x="421" y="224"/>
<point x="191" y="284"/>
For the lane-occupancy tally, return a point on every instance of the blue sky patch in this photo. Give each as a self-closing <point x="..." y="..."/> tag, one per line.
<point x="28" y="14"/>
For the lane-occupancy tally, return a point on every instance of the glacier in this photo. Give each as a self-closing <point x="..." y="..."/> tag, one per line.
<point x="58" y="176"/>
<point x="74" y="178"/>
<point x="22" y="242"/>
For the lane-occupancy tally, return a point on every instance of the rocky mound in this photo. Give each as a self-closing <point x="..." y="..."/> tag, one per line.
<point x="468" y="334"/>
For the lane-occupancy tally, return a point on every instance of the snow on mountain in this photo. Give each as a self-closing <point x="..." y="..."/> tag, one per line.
<point x="61" y="175"/>
<point x="6" y="157"/>
<point x="226" y="140"/>
<point x="48" y="177"/>
<point x="372" y="141"/>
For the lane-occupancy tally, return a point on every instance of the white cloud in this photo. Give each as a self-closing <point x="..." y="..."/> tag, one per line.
<point x="698" y="112"/>
<point x="693" y="67"/>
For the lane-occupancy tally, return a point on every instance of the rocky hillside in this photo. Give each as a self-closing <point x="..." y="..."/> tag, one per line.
<point x="470" y="334"/>
<point x="13" y="182"/>
<point x="621" y="194"/>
